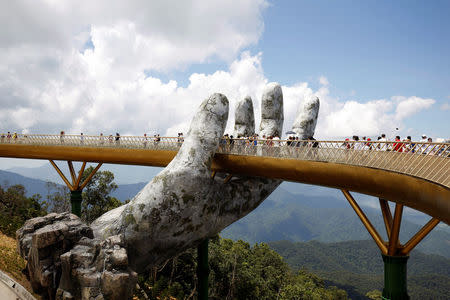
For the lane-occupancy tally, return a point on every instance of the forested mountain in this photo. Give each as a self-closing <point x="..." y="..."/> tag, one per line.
<point x="357" y="267"/>
<point x="285" y="216"/>
<point x="299" y="218"/>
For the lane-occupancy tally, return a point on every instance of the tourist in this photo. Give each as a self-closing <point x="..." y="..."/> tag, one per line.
<point x="61" y="137"/>
<point x="398" y="145"/>
<point x="314" y="146"/>
<point x="82" y="138"/>
<point x="431" y="148"/>
<point x="101" y="138"/>
<point x="407" y="146"/>
<point x="145" y="140"/>
<point x="117" y="138"/>
<point x="424" y="145"/>
<point x="383" y="145"/>
<point x="368" y="144"/>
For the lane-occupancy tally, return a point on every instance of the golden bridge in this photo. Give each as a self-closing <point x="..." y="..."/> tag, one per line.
<point x="410" y="174"/>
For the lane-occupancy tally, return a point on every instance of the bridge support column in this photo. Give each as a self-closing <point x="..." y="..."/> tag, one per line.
<point x="75" y="202"/>
<point x="202" y="270"/>
<point x="76" y="186"/>
<point x="395" y="287"/>
<point x="394" y="254"/>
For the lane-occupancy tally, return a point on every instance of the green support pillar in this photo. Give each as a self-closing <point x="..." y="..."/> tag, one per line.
<point x="202" y="270"/>
<point x="75" y="201"/>
<point x="395" y="277"/>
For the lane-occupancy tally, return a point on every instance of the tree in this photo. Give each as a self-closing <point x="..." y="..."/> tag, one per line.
<point x="58" y="198"/>
<point x="16" y="208"/>
<point x="237" y="271"/>
<point x="96" y="198"/>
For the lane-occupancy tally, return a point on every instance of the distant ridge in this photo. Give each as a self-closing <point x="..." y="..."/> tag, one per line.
<point x="357" y="267"/>
<point x="284" y="215"/>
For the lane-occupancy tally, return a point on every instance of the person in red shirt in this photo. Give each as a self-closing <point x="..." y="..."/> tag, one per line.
<point x="398" y="145"/>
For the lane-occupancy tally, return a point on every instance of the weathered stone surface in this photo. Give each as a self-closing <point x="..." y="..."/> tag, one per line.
<point x="97" y="269"/>
<point x="306" y="120"/>
<point x="244" y="119"/>
<point x="183" y="204"/>
<point x="42" y="240"/>
<point x="272" y="116"/>
<point x="179" y="208"/>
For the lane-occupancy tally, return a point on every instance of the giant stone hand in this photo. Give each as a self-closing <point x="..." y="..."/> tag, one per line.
<point x="184" y="204"/>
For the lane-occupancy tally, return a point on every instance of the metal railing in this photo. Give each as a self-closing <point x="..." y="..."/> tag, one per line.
<point x="430" y="161"/>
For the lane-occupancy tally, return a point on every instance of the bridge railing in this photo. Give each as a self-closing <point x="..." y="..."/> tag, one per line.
<point x="131" y="142"/>
<point x="430" y="161"/>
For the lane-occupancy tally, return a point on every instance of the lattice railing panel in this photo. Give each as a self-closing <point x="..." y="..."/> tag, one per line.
<point x="429" y="161"/>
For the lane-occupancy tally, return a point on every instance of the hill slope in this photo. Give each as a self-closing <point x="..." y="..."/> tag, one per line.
<point x="285" y="215"/>
<point x="298" y="218"/>
<point x="357" y="267"/>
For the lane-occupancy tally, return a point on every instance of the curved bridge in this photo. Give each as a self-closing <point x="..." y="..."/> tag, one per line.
<point x="413" y="174"/>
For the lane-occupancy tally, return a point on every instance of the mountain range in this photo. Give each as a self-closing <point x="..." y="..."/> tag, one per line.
<point x="294" y="212"/>
<point x="357" y="267"/>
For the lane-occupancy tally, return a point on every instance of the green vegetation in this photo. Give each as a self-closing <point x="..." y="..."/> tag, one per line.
<point x="96" y="195"/>
<point x="58" y="197"/>
<point x="280" y="270"/>
<point x="237" y="271"/>
<point x="357" y="267"/>
<point x="16" y="208"/>
<point x="300" y="218"/>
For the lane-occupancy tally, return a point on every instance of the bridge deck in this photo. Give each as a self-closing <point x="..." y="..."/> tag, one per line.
<point x="418" y="176"/>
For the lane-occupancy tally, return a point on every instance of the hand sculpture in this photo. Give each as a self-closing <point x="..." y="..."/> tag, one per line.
<point x="183" y="204"/>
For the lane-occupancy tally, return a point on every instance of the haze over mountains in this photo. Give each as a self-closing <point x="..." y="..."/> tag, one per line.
<point x="294" y="212"/>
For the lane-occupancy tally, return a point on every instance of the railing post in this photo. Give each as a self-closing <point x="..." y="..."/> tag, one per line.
<point x="75" y="201"/>
<point x="395" y="287"/>
<point x="202" y="269"/>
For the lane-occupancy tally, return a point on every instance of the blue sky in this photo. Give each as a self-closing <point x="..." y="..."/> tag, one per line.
<point x="145" y="65"/>
<point x="366" y="49"/>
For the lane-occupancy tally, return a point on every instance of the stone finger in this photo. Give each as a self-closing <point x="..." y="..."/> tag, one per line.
<point x="244" y="121"/>
<point x="202" y="140"/>
<point x="272" y="115"/>
<point x="306" y="120"/>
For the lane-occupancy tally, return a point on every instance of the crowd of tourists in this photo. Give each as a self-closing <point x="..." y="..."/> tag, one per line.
<point x="425" y="145"/>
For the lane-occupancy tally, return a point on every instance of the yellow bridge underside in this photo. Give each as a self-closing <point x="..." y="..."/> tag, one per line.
<point x="422" y="195"/>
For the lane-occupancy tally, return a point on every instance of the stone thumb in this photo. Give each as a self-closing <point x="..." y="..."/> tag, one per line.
<point x="206" y="130"/>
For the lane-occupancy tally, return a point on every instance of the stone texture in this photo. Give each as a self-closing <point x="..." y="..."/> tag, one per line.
<point x="42" y="240"/>
<point x="182" y="205"/>
<point x="66" y="262"/>
<point x="272" y="116"/>
<point x="244" y="119"/>
<point x="97" y="269"/>
<point x="179" y="208"/>
<point x="306" y="120"/>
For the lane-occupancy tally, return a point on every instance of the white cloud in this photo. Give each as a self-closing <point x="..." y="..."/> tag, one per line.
<point x="409" y="106"/>
<point x="445" y="106"/>
<point x="51" y="81"/>
<point x="323" y="80"/>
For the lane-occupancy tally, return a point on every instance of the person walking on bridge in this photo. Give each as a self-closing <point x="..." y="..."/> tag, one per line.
<point x="61" y="137"/>
<point x="117" y="139"/>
